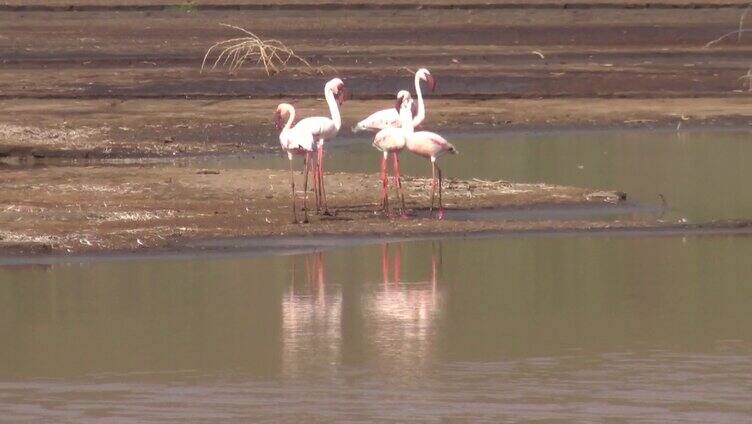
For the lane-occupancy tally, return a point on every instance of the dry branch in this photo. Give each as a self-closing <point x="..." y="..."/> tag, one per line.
<point x="741" y="22"/>
<point x="727" y="35"/>
<point x="272" y="54"/>
<point x="738" y="32"/>
<point x="741" y="30"/>
<point x="747" y="78"/>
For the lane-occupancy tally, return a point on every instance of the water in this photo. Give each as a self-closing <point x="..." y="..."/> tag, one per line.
<point x="547" y="327"/>
<point x="703" y="175"/>
<point x="581" y="328"/>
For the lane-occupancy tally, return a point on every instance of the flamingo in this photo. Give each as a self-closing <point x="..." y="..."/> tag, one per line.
<point x="390" y="117"/>
<point x="392" y="140"/>
<point x="325" y="128"/>
<point x="430" y="146"/>
<point x="295" y="141"/>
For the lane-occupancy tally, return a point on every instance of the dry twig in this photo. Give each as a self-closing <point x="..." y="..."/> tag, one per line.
<point x="741" y="22"/>
<point x="405" y="68"/>
<point x="741" y="30"/>
<point x="747" y="79"/>
<point x="235" y="52"/>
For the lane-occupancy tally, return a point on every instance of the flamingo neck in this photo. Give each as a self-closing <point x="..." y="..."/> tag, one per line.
<point x="290" y="119"/>
<point x="418" y="119"/>
<point x="333" y="109"/>
<point x="407" y="121"/>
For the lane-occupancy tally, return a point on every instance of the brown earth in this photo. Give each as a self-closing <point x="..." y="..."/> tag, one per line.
<point x="142" y="128"/>
<point x="131" y="78"/>
<point x="66" y="209"/>
<point x="121" y="79"/>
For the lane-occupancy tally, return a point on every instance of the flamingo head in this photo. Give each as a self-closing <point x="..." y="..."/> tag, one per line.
<point x="282" y="114"/>
<point x="425" y="75"/>
<point x="337" y="87"/>
<point x="404" y="102"/>
<point x="402" y="96"/>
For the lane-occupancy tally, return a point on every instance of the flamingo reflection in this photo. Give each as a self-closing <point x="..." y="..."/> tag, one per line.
<point x="392" y="322"/>
<point x="402" y="316"/>
<point x="311" y="319"/>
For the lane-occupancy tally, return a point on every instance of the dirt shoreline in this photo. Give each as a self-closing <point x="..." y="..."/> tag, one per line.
<point x="110" y="208"/>
<point x="290" y="245"/>
<point x="188" y="128"/>
<point x="159" y="5"/>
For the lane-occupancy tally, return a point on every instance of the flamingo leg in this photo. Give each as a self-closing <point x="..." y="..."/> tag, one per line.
<point x="321" y="177"/>
<point x="307" y="166"/>
<point x="292" y="185"/>
<point x="313" y="166"/>
<point x="384" y="184"/>
<point x="433" y="186"/>
<point x="441" y="206"/>
<point x="396" y="164"/>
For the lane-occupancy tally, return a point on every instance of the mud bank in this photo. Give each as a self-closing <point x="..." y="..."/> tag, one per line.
<point x="179" y="128"/>
<point x="113" y="208"/>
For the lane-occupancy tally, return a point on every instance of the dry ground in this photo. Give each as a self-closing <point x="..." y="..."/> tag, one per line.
<point x="131" y="73"/>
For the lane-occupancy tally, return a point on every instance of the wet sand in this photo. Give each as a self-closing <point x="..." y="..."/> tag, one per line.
<point x="68" y="209"/>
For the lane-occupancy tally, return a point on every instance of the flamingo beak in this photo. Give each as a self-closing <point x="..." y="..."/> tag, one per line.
<point x="278" y="120"/>
<point x="431" y="82"/>
<point x="341" y="95"/>
<point x="398" y="105"/>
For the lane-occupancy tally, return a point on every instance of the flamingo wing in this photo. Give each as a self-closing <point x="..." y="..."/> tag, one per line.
<point x="389" y="139"/>
<point x="299" y="139"/>
<point x="387" y="118"/>
<point x="319" y="126"/>
<point x="429" y="144"/>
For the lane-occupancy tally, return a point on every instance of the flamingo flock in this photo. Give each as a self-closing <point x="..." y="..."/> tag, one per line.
<point x="395" y="132"/>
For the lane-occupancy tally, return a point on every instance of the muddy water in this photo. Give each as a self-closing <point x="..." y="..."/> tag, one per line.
<point x="702" y="175"/>
<point x="579" y="328"/>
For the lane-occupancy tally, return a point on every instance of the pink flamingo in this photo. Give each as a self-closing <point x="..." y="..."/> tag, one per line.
<point x="431" y="146"/>
<point x="389" y="118"/>
<point x="325" y="128"/>
<point x="392" y="140"/>
<point x="296" y="141"/>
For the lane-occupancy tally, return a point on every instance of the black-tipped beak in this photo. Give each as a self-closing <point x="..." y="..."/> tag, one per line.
<point x="431" y="83"/>
<point x="278" y="120"/>
<point x="342" y="95"/>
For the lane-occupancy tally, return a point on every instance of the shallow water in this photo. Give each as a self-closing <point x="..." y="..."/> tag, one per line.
<point x="566" y="327"/>
<point x="571" y="327"/>
<point x="702" y="175"/>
